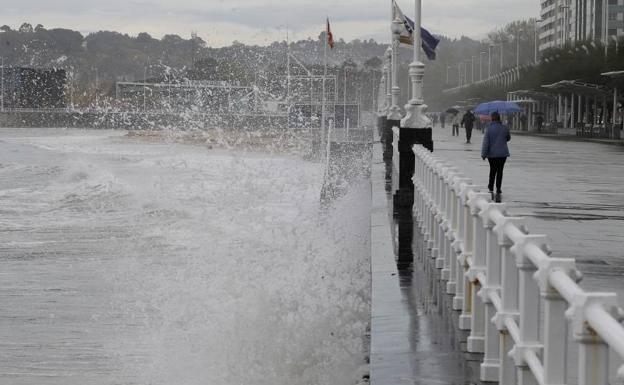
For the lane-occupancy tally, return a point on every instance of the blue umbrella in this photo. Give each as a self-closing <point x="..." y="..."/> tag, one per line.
<point x="499" y="106"/>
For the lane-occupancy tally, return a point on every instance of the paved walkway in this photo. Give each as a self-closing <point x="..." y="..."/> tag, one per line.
<point x="411" y="343"/>
<point x="569" y="190"/>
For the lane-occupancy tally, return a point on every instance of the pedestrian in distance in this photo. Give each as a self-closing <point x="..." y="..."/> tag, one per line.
<point x="523" y="122"/>
<point x="495" y="149"/>
<point x="442" y="119"/>
<point x="540" y="122"/>
<point x="468" y="123"/>
<point x="455" y="122"/>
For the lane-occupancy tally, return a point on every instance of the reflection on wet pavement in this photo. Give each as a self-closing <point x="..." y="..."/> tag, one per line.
<point x="414" y="339"/>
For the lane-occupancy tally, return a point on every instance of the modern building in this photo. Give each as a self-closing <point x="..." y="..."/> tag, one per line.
<point x="568" y="21"/>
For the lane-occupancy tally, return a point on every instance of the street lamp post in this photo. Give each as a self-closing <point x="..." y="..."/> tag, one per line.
<point x="388" y="79"/>
<point x="71" y="87"/>
<point x="381" y="108"/>
<point x="395" y="111"/>
<point x="459" y="75"/>
<point x="472" y="72"/>
<point x="415" y="129"/>
<point x="145" y="83"/>
<point x="518" y="48"/>
<point x="481" y="65"/>
<point x="344" y="99"/>
<point x="97" y="88"/>
<point x="490" y="60"/>
<point x="605" y="23"/>
<point x="501" y="56"/>
<point x="2" y="99"/>
<point x="415" y="109"/>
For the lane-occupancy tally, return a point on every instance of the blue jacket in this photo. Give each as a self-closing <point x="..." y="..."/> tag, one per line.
<point x="495" y="141"/>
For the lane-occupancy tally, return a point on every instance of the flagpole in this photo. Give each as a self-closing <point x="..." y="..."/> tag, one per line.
<point x="287" y="78"/>
<point x="324" y="77"/>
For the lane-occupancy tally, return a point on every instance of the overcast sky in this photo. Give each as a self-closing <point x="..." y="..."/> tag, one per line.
<point x="219" y="22"/>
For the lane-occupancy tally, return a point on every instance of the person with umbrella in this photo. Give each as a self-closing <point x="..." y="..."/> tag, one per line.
<point x="495" y="149"/>
<point x="468" y="123"/>
<point x="455" y="120"/>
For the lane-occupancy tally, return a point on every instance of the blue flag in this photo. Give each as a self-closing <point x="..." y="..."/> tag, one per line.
<point x="429" y="42"/>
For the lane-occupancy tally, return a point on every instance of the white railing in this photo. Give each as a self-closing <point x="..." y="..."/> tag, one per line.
<point x="499" y="274"/>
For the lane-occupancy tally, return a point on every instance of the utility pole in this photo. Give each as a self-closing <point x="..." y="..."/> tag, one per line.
<point x="2" y="63"/>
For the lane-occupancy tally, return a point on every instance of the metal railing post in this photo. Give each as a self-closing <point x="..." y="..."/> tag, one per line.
<point x="555" y="339"/>
<point x="449" y="238"/>
<point x="593" y="361"/>
<point x="490" y="367"/>
<point x="466" y="314"/>
<point x="593" y="349"/>
<point x="529" y="306"/>
<point x="458" y="299"/>
<point x="509" y="302"/>
<point x="475" y="275"/>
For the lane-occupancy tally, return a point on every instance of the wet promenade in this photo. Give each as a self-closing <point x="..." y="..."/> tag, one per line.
<point x="413" y="340"/>
<point x="571" y="191"/>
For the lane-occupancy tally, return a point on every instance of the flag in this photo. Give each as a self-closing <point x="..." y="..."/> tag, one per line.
<point x="330" y="36"/>
<point x="429" y="42"/>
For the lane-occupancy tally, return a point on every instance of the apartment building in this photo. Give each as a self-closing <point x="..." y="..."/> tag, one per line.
<point x="569" y="21"/>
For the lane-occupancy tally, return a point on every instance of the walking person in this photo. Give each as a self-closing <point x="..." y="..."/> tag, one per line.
<point x="455" y="122"/>
<point x="540" y="122"/>
<point x="442" y="119"/>
<point x="468" y="123"/>
<point x="495" y="149"/>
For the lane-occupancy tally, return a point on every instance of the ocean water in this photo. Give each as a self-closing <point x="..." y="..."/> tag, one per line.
<point x="133" y="262"/>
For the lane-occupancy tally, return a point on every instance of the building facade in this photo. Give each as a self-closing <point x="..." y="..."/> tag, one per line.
<point x="568" y="21"/>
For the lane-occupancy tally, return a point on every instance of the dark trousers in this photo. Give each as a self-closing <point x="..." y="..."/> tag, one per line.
<point x="496" y="173"/>
<point x="468" y="133"/>
<point x="455" y="129"/>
